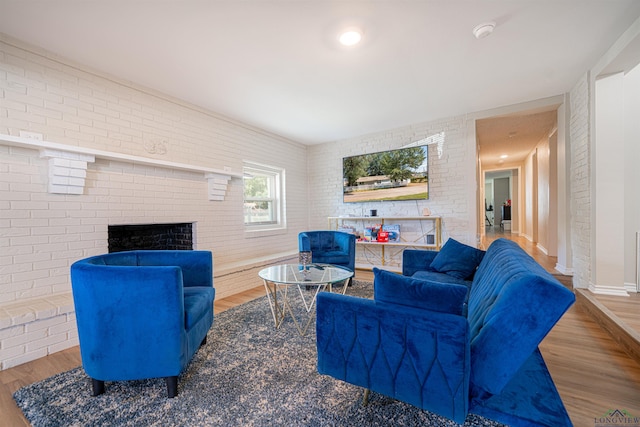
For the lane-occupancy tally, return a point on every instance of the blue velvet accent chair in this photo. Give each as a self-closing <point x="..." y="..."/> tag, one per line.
<point x="450" y="348"/>
<point x="142" y="314"/>
<point x="329" y="247"/>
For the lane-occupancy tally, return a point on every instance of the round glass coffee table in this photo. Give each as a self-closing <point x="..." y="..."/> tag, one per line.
<point x="308" y="281"/>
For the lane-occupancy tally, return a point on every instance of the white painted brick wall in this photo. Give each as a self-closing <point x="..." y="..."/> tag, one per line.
<point x="449" y="173"/>
<point x="42" y="234"/>
<point x="580" y="182"/>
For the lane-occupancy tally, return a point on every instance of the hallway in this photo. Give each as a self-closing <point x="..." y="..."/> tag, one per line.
<point x="495" y="232"/>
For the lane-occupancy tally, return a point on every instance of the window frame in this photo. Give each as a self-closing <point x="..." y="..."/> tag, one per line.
<point x="276" y="196"/>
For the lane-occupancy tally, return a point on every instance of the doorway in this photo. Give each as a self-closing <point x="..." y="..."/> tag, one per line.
<point x="518" y="169"/>
<point x="501" y="201"/>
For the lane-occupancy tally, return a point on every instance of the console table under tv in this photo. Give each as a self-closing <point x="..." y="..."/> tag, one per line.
<point x="420" y="232"/>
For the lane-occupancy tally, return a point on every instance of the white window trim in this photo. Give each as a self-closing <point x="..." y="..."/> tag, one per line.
<point x="280" y="225"/>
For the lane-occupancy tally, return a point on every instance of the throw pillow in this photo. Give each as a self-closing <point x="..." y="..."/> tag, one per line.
<point x="457" y="259"/>
<point x="394" y="288"/>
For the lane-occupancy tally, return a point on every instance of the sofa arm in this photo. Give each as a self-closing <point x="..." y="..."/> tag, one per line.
<point x="304" y="242"/>
<point x="416" y="260"/>
<point x="131" y="317"/>
<point x="416" y="356"/>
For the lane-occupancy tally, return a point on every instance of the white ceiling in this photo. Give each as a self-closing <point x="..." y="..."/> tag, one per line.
<point x="514" y="136"/>
<point x="275" y="64"/>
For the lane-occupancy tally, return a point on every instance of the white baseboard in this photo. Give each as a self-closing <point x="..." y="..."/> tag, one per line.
<point x="608" y="290"/>
<point x="564" y="269"/>
<point x="526" y="236"/>
<point x="542" y="249"/>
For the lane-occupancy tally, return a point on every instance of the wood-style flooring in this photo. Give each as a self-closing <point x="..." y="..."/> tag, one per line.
<point x="591" y="371"/>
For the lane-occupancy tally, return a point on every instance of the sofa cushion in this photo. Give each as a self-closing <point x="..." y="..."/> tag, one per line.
<point x="394" y="288"/>
<point x="331" y="257"/>
<point x="415" y="260"/>
<point x="457" y="259"/>
<point x="434" y="276"/>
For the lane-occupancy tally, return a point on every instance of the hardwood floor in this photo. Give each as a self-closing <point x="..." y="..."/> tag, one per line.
<point x="626" y="308"/>
<point x="592" y="373"/>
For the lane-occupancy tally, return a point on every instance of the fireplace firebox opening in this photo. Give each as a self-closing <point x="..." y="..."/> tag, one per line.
<point x="177" y="236"/>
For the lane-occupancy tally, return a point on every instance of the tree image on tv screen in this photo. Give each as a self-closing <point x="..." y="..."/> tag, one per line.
<point x="401" y="164"/>
<point x="355" y="168"/>
<point x="393" y="175"/>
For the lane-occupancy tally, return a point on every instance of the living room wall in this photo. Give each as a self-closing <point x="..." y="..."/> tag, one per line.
<point x="72" y="105"/>
<point x="452" y="171"/>
<point x="41" y="233"/>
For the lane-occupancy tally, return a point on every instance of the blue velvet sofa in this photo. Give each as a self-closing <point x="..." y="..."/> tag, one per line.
<point x="142" y="314"/>
<point x="417" y="342"/>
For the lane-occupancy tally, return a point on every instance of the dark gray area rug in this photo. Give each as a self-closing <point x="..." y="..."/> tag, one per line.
<point x="248" y="374"/>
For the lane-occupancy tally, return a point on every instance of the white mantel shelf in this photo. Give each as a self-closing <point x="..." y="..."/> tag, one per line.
<point x="68" y="165"/>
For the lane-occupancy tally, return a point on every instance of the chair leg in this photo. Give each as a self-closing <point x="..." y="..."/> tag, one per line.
<point x="172" y="386"/>
<point x="365" y="397"/>
<point x="97" y="386"/>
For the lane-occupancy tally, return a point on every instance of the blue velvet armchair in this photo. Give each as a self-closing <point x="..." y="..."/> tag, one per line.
<point x="329" y="247"/>
<point x="416" y="341"/>
<point x="142" y="314"/>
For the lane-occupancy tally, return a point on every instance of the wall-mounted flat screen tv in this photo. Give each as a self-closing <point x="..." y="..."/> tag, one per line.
<point x="401" y="174"/>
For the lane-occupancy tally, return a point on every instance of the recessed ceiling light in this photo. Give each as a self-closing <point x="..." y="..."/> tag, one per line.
<point x="484" y="29"/>
<point x="350" y="37"/>
<point x="504" y="156"/>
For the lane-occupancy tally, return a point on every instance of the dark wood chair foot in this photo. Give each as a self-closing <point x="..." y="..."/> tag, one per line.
<point x="172" y="386"/>
<point x="365" y="397"/>
<point x="98" y="387"/>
